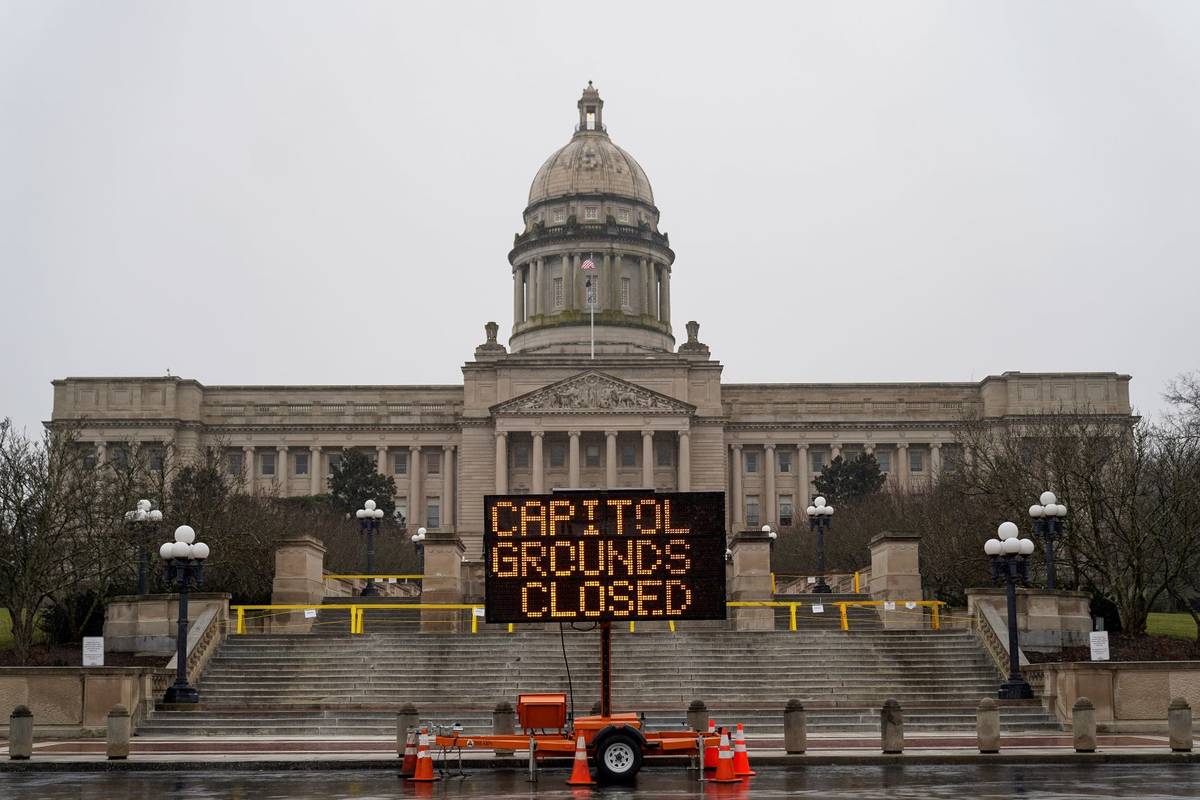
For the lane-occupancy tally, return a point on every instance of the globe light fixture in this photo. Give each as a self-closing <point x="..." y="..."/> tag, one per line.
<point x="142" y="524"/>
<point x="820" y="514"/>
<point x="1049" y="520"/>
<point x="1009" y="554"/>
<point x="368" y="523"/>
<point x="418" y="540"/>
<point x="183" y="559"/>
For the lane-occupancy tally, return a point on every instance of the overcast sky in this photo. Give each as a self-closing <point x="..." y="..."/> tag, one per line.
<point x="297" y="192"/>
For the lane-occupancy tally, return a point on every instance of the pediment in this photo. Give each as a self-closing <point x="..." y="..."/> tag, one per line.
<point x="591" y="392"/>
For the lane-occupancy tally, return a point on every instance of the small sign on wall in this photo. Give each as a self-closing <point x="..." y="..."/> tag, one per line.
<point x="1099" y="642"/>
<point x="310" y="613"/>
<point x="93" y="651"/>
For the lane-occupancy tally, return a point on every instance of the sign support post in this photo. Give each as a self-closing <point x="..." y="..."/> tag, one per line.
<point x="606" y="668"/>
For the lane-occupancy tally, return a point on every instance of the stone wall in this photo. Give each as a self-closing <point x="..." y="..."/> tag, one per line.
<point x="1047" y="621"/>
<point x="147" y="624"/>
<point x="1129" y="697"/>
<point x="75" y="701"/>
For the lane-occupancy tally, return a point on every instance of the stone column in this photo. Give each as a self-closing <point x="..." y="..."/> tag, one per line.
<point x="685" y="461"/>
<point x="573" y="460"/>
<point x="896" y="576"/>
<point x="737" y="504"/>
<point x="752" y="580"/>
<point x="501" y="462"/>
<point x="381" y="459"/>
<point x="449" y="489"/>
<point x="518" y="295"/>
<point x="539" y="472"/>
<point x="902" y="465"/>
<point x="282" y="473"/>
<point x="614" y="281"/>
<point x="935" y="458"/>
<point x="248" y="467"/>
<point x="803" y="489"/>
<point x="416" y="503"/>
<point x="835" y="450"/>
<point x="299" y="580"/>
<point x="443" y="581"/>
<point x="314" y="470"/>
<point x="770" y="510"/>
<point x="573" y="268"/>
<point x="664" y="281"/>
<point x="648" y="459"/>
<point x="101" y="453"/>
<point x="610" y="459"/>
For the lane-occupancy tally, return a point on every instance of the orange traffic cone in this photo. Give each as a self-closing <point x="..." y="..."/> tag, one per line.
<point x="424" y="770"/>
<point x="741" y="758"/>
<point x="410" y="756"/>
<point x="725" y="773"/>
<point x="580" y="775"/>
<point x="710" y="748"/>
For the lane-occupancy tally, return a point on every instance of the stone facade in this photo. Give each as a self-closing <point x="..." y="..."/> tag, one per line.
<point x="561" y="407"/>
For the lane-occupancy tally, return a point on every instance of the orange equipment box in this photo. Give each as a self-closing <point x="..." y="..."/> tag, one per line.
<point x="542" y="711"/>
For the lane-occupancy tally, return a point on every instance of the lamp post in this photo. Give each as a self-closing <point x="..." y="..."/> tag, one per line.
<point x="368" y="523"/>
<point x="820" y="514"/>
<point x="142" y="523"/>
<point x="418" y="540"/>
<point x="184" y="563"/>
<point x="1048" y="522"/>
<point x="1010" y="564"/>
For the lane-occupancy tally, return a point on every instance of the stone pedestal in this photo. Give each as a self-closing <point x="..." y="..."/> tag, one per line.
<point x="697" y="716"/>
<point x="752" y="580"/>
<point x="795" y="727"/>
<point x="299" y="580"/>
<point x="987" y="726"/>
<point x="119" y="731"/>
<point x="1047" y="621"/>
<point x="1179" y="725"/>
<point x="503" y="721"/>
<point x="891" y="727"/>
<point x="147" y="623"/>
<point x="1083" y="726"/>
<point x="20" y="734"/>
<point x="443" y="581"/>
<point x="896" y="576"/>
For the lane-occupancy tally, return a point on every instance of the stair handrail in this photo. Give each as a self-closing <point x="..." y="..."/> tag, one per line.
<point x="992" y="632"/>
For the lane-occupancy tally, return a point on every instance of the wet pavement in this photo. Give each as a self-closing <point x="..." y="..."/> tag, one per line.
<point x="986" y="782"/>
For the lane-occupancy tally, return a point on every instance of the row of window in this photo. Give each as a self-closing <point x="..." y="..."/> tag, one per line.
<point x="590" y="214"/>
<point x="268" y="463"/>
<point x="753" y="514"/>
<point x="917" y="460"/>
<point x="626" y="293"/>
<point x="627" y="454"/>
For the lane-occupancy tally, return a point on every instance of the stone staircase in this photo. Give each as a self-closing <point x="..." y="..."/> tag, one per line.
<point x="335" y="684"/>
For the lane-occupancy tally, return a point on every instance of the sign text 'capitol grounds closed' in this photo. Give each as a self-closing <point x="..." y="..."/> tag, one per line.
<point x="604" y="555"/>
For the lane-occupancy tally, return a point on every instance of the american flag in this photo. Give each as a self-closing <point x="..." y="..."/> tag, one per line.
<point x="588" y="264"/>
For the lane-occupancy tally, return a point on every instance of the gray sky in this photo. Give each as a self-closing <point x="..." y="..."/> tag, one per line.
<point x="297" y="192"/>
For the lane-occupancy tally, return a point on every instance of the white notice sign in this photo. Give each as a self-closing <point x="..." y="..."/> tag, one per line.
<point x="391" y="580"/>
<point x="310" y="613"/>
<point x="811" y="579"/>
<point x="93" y="651"/>
<point x="1099" y="642"/>
<point x="910" y="605"/>
<point x="889" y="605"/>
<point x="818" y="608"/>
<point x="477" y="612"/>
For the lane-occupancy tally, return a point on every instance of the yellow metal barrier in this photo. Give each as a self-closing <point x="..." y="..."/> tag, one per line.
<point x="935" y="620"/>
<point x="376" y="577"/>
<point x="856" y="583"/>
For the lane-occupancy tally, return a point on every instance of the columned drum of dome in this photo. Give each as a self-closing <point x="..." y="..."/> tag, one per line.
<point x="591" y="201"/>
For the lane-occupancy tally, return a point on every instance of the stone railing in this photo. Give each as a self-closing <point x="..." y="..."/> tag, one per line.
<point x="992" y="632"/>
<point x="1128" y="696"/>
<point x="204" y="636"/>
<point x="75" y="701"/>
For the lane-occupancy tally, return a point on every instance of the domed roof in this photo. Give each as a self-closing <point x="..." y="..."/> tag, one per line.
<point x="590" y="163"/>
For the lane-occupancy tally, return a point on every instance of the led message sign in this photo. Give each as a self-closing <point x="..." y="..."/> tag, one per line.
<point x="619" y="554"/>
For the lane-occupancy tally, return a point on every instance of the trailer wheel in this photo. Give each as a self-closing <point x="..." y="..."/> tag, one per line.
<point x="618" y="758"/>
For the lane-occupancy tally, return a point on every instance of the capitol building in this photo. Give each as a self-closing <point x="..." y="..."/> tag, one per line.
<point x="565" y="404"/>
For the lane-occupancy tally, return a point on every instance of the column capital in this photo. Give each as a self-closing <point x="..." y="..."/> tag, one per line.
<point x="447" y="448"/>
<point x="379" y="448"/>
<point x="574" y="434"/>
<point x="501" y="434"/>
<point x="736" y="445"/>
<point x="683" y="434"/>
<point x="281" y="447"/>
<point x="901" y="445"/>
<point x="647" y="433"/>
<point x="537" y="434"/>
<point x="935" y="445"/>
<point x="315" y="448"/>
<point x="416" y="448"/>
<point x="247" y="448"/>
<point x="611" y="434"/>
<point x="802" y="446"/>
<point x="768" y="445"/>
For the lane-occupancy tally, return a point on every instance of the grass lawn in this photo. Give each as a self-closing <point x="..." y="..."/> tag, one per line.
<point x="1177" y="626"/>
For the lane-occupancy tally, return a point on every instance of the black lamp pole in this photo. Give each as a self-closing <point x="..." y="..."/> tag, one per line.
<point x="1049" y="519"/>
<point x="819" y="516"/>
<point x="184" y="568"/>
<point x="368" y="523"/>
<point x="142" y="523"/>
<point x="1010" y="565"/>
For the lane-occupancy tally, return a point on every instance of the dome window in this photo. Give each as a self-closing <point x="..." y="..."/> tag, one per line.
<point x="591" y="213"/>
<point x="623" y="215"/>
<point x="560" y="216"/>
